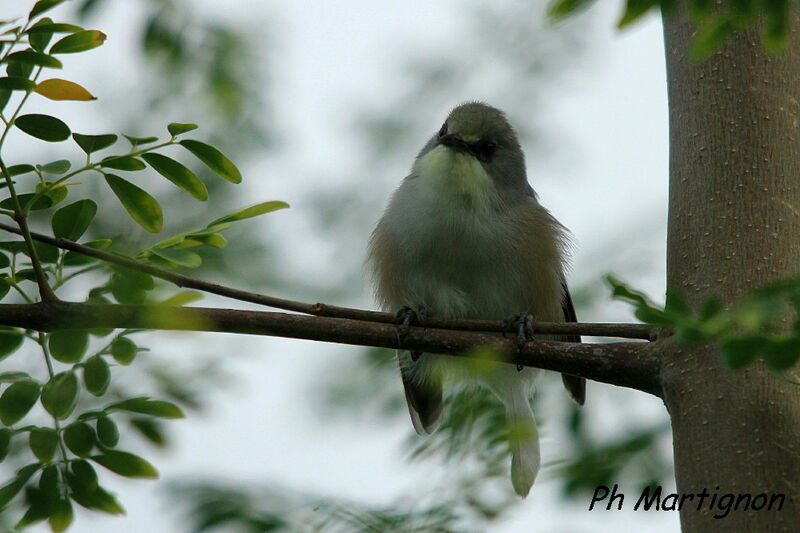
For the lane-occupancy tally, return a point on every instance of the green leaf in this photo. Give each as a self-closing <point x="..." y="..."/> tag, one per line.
<point x="34" y="58"/>
<point x="126" y="464"/>
<point x="178" y="174"/>
<point x="183" y="258"/>
<point x="12" y="488"/>
<point x="61" y="516"/>
<point x="39" y="39"/>
<point x="142" y="207"/>
<point x="55" y="193"/>
<point x="561" y="9"/>
<point x="84" y="472"/>
<point x="182" y="298"/>
<point x="93" y="143"/>
<point x="5" y="286"/>
<point x="5" y="96"/>
<point x="776" y="25"/>
<point x="13" y="377"/>
<point x="10" y="341"/>
<point x="710" y="37"/>
<point x="22" y="70"/>
<point x="16" y="170"/>
<point x="146" y="406"/>
<point x="782" y="354"/>
<point x="72" y="221"/>
<point x="69" y="345"/>
<point x="95" y="498"/>
<point x="41" y="6"/>
<point x="130" y="286"/>
<point x="55" y="167"/>
<point x="5" y="442"/>
<point x="212" y="239"/>
<point x="50" y="27"/>
<point x="78" y="42"/>
<point x="710" y="309"/>
<point x="634" y="9"/>
<point x="43" y="127"/>
<point x="136" y="141"/>
<point x="252" y="211"/>
<point x="107" y="432"/>
<point x="622" y="292"/>
<point x="676" y="304"/>
<point x="60" y="394"/>
<point x="125" y="162"/>
<point x="214" y="159"/>
<point x="43" y="442"/>
<point x="96" y="375"/>
<point x="43" y="499"/>
<point x="17" y="400"/>
<point x="5" y="262"/>
<point x="739" y="352"/>
<point x="177" y="128"/>
<point x="151" y="430"/>
<point x="17" y="83"/>
<point x="47" y="253"/>
<point x="123" y="350"/>
<point x="79" y="438"/>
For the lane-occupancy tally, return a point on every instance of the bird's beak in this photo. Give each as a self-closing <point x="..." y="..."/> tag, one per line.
<point x="455" y="142"/>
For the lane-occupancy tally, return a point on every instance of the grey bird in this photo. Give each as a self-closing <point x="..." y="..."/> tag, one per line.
<point x="464" y="236"/>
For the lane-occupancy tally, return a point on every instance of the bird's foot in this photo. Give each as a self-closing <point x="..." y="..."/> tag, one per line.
<point x="523" y="324"/>
<point x="406" y="316"/>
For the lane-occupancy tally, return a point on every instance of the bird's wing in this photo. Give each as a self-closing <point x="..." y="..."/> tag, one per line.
<point x="575" y="386"/>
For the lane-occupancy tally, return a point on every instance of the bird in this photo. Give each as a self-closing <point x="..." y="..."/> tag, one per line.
<point x="465" y="237"/>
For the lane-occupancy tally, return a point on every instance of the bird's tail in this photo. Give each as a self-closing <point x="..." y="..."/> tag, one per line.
<point x="523" y="440"/>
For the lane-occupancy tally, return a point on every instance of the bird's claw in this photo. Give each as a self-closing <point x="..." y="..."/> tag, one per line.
<point x="406" y="316"/>
<point x="523" y="323"/>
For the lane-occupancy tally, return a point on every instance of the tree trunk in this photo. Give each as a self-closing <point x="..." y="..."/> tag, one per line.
<point x="734" y="224"/>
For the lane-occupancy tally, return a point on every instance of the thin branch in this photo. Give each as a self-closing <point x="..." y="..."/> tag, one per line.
<point x="630" y="331"/>
<point x="45" y="292"/>
<point x="626" y="364"/>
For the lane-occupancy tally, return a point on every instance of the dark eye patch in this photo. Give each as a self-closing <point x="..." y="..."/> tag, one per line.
<point x="443" y="130"/>
<point x="484" y="150"/>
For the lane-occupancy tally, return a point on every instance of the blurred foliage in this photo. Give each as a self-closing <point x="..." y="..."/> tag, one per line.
<point x="200" y="68"/>
<point x="211" y="507"/>
<point x="716" y="22"/>
<point x="633" y="458"/>
<point x="753" y="328"/>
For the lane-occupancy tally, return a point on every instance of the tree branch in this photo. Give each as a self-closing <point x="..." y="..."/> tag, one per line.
<point x="628" y="364"/>
<point x="631" y="331"/>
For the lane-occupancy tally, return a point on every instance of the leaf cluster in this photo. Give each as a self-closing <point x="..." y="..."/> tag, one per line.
<point x="716" y="22"/>
<point x="76" y="394"/>
<point x="753" y="328"/>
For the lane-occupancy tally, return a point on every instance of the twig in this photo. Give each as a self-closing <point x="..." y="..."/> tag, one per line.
<point x="627" y="364"/>
<point x="45" y="292"/>
<point x="630" y="331"/>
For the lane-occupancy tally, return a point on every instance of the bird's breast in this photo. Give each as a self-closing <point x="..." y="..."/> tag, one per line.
<point x="454" y="181"/>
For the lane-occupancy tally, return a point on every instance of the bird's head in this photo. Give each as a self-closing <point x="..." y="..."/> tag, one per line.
<point x="477" y="151"/>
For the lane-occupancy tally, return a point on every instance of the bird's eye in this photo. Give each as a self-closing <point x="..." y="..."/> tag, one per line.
<point x="443" y="130"/>
<point x="484" y="149"/>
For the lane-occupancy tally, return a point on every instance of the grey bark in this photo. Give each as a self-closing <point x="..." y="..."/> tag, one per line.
<point x="734" y="224"/>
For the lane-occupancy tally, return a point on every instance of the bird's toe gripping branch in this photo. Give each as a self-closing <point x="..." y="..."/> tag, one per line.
<point x="406" y="316"/>
<point x="523" y="324"/>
